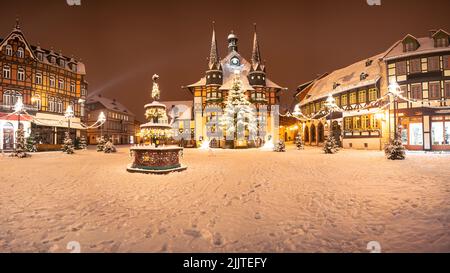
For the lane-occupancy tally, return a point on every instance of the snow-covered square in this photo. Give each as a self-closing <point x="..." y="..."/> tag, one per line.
<point x="227" y="201"/>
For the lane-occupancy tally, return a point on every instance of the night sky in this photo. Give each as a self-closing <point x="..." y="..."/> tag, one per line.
<point x="123" y="43"/>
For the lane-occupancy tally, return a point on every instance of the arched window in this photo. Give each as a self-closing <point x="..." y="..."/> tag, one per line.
<point x="7" y="99"/>
<point x="61" y="84"/>
<point x="52" y="81"/>
<point x="321" y="132"/>
<point x="60" y="106"/>
<point x="6" y="72"/>
<point x="9" y="50"/>
<point x="51" y="104"/>
<point x="21" y="74"/>
<point x="313" y="133"/>
<point x="306" y="134"/>
<point x="37" y="102"/>
<point x="20" y="52"/>
<point x="16" y="96"/>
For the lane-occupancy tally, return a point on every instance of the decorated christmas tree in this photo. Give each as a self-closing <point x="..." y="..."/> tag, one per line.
<point x="109" y="147"/>
<point x="101" y="144"/>
<point x="239" y="114"/>
<point x="280" y="147"/>
<point x="330" y="146"/>
<point x="20" y="150"/>
<point x="395" y="149"/>
<point x="68" y="145"/>
<point x="31" y="144"/>
<point x="83" y="143"/>
<point x="299" y="142"/>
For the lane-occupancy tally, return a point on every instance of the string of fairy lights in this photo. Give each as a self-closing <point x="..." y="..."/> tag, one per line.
<point x="19" y="109"/>
<point x="331" y="106"/>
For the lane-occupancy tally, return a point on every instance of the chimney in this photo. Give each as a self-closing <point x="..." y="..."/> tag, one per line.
<point x="432" y="32"/>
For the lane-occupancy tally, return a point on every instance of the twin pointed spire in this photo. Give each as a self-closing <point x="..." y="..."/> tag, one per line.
<point x="214" y="61"/>
<point x="256" y="53"/>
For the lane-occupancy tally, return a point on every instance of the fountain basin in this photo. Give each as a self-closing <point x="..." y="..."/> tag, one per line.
<point x="160" y="160"/>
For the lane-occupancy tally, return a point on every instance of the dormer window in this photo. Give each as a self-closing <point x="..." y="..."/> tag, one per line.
<point x="336" y="85"/>
<point x="61" y="63"/>
<point x="363" y="76"/>
<point x="9" y="50"/>
<point x="20" y="53"/>
<point x="441" y="42"/>
<point x="40" y="56"/>
<point x="369" y="62"/>
<point x="410" y="47"/>
<point x="441" y="38"/>
<point x="410" y="43"/>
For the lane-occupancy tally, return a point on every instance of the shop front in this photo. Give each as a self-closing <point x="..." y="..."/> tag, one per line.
<point x="428" y="129"/>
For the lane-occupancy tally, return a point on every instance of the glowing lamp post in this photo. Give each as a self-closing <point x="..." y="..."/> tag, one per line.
<point x="395" y="91"/>
<point x="18" y="108"/>
<point x="69" y="115"/>
<point x="102" y="120"/>
<point x="330" y="104"/>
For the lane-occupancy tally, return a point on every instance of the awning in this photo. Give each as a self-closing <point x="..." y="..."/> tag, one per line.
<point x="51" y="120"/>
<point x="14" y="117"/>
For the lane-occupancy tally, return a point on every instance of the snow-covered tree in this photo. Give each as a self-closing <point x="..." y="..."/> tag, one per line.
<point x="299" y="142"/>
<point x="101" y="144"/>
<point x="20" y="150"/>
<point x="280" y="147"/>
<point x="330" y="146"/>
<point x="31" y="144"/>
<point x="83" y="143"/>
<point x="239" y="114"/>
<point x="68" y="144"/>
<point x="395" y="149"/>
<point x="109" y="147"/>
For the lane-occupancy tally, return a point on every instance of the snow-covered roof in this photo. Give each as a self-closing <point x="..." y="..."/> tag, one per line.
<point x="110" y="104"/>
<point x="347" y="78"/>
<point x="426" y="45"/>
<point x="228" y="74"/>
<point x="33" y="50"/>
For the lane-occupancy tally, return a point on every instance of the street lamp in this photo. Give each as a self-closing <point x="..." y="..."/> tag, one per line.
<point x="330" y="104"/>
<point x="18" y="108"/>
<point x="68" y="115"/>
<point x="395" y="91"/>
<point x="101" y="119"/>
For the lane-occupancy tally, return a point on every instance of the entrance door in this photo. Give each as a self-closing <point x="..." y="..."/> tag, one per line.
<point x="8" y="137"/>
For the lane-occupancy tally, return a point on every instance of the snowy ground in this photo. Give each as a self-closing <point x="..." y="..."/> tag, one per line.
<point x="227" y="201"/>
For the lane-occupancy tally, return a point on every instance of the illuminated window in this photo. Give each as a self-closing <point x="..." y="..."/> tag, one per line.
<point x="362" y="96"/>
<point x="353" y="98"/>
<point x="373" y="94"/>
<point x="72" y="87"/>
<point x="60" y="84"/>
<point x="344" y="100"/>
<point x="38" y="78"/>
<point x="52" y="81"/>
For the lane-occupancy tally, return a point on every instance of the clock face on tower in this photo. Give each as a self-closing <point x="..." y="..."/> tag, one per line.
<point x="235" y="61"/>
